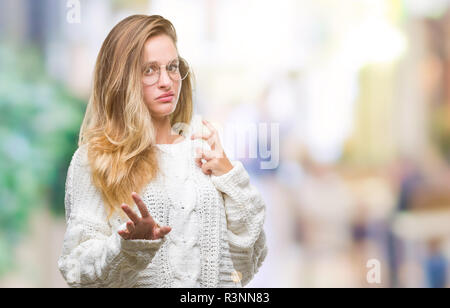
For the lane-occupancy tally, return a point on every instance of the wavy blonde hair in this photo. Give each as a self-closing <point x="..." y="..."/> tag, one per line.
<point x="117" y="125"/>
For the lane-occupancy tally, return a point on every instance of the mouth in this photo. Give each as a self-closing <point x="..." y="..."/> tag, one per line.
<point x="166" y="97"/>
<point x="170" y="93"/>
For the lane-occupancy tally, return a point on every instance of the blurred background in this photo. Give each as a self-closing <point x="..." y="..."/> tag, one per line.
<point x="358" y="90"/>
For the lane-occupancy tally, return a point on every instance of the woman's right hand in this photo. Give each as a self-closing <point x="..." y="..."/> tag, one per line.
<point x="144" y="227"/>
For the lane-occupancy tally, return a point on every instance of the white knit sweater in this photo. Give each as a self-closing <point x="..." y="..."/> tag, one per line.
<point x="217" y="237"/>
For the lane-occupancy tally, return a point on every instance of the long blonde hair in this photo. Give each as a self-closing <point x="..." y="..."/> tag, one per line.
<point x="117" y="125"/>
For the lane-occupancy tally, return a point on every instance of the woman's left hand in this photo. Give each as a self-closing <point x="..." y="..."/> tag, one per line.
<point x="217" y="163"/>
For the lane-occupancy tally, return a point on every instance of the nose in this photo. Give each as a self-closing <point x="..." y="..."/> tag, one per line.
<point x="164" y="79"/>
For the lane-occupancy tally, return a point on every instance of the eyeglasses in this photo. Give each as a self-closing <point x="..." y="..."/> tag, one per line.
<point x="177" y="69"/>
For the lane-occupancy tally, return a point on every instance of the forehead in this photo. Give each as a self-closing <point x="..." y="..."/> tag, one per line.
<point x="159" y="49"/>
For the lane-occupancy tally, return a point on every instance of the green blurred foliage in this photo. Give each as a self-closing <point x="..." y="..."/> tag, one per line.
<point x="39" y="123"/>
<point x="137" y="5"/>
<point x="440" y="129"/>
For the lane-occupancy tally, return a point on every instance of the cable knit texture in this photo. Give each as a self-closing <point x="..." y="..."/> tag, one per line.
<point x="217" y="237"/>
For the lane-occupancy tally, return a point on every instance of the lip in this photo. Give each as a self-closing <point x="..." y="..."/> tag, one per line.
<point x="166" y="95"/>
<point x="165" y="98"/>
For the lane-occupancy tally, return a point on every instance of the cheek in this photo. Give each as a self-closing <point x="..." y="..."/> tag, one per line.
<point x="177" y="89"/>
<point x="148" y="94"/>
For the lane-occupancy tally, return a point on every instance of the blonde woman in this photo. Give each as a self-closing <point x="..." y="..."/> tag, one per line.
<point x="151" y="198"/>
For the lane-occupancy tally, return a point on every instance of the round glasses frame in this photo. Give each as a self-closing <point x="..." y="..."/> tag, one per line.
<point x="177" y="70"/>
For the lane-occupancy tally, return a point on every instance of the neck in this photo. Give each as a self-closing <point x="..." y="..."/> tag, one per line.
<point x="164" y="133"/>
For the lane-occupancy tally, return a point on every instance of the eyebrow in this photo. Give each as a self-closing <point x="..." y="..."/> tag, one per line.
<point x="156" y="62"/>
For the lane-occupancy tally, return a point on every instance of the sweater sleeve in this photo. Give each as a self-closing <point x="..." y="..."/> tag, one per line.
<point x="93" y="255"/>
<point x="245" y="211"/>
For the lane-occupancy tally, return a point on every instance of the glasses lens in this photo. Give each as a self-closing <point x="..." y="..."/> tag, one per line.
<point x="183" y="68"/>
<point x="151" y="75"/>
<point x="177" y="70"/>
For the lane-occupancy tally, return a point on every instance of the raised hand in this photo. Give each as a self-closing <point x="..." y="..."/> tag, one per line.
<point x="217" y="162"/>
<point x="144" y="227"/>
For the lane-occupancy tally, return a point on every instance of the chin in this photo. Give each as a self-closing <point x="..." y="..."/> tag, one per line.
<point x="163" y="109"/>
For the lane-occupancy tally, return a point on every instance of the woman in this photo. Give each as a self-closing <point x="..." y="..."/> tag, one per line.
<point x="198" y="222"/>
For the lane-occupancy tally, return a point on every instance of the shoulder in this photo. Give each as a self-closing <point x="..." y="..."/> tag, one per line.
<point x="79" y="158"/>
<point x="79" y="164"/>
<point x="80" y="155"/>
<point x="79" y="161"/>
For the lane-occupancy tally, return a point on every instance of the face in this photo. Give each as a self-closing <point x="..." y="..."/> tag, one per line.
<point x="162" y="50"/>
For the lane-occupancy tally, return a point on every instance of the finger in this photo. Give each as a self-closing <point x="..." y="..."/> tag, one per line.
<point x="198" y="157"/>
<point x="130" y="227"/>
<point x="209" y="125"/>
<point x="204" y="154"/>
<point x="165" y="230"/>
<point x="214" y="138"/>
<point x="198" y="162"/>
<point x="207" y="168"/>
<point x="124" y="234"/>
<point x="208" y="155"/>
<point x="203" y="157"/>
<point x="198" y="152"/>
<point x="141" y="205"/>
<point x="202" y="135"/>
<point x="210" y="140"/>
<point x="162" y="231"/>
<point x="206" y="134"/>
<point x="130" y="213"/>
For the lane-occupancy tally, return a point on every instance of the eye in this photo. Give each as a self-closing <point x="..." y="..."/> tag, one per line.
<point x="173" y="67"/>
<point x="150" y="70"/>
